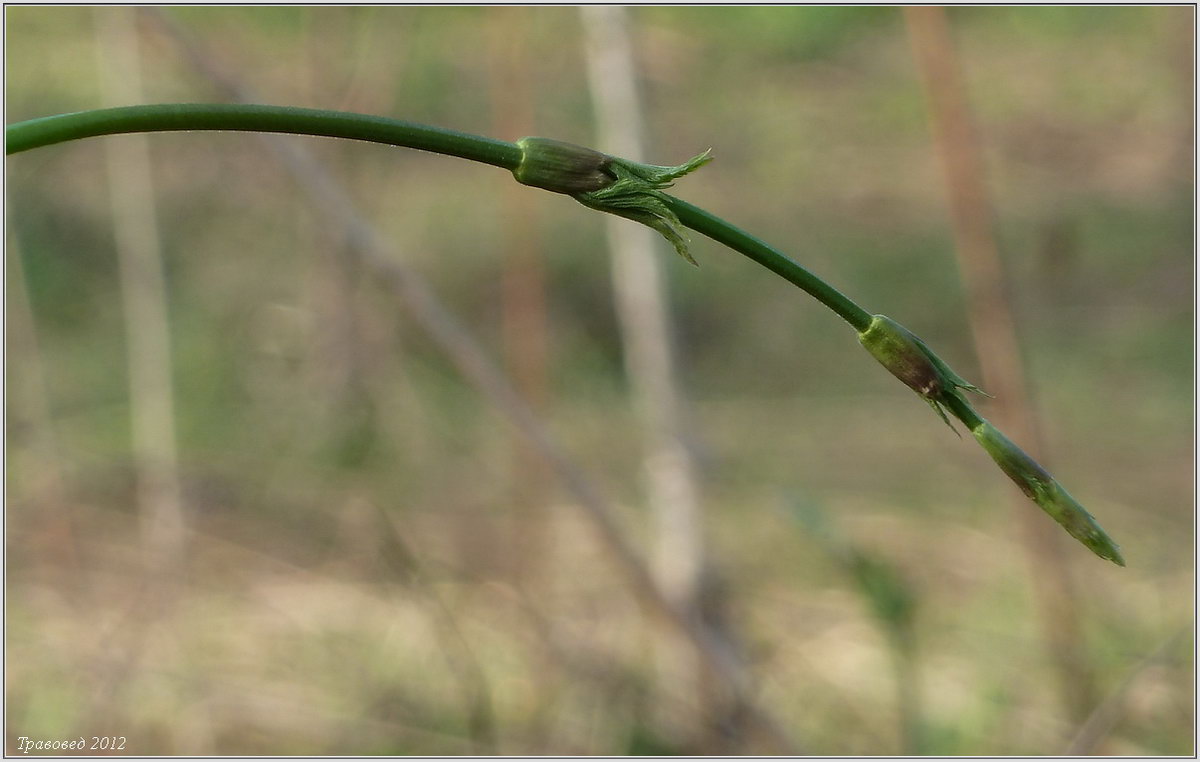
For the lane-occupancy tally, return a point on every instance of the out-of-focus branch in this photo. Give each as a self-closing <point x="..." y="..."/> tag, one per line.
<point x="460" y="657"/>
<point x="144" y="299"/>
<point x="468" y="674"/>
<point x="427" y="310"/>
<point x="1107" y="713"/>
<point x="995" y="331"/>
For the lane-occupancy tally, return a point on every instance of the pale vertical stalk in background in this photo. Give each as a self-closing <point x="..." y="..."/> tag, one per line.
<point x="160" y="508"/>
<point x="646" y="339"/>
<point x="522" y="282"/>
<point x="144" y="300"/>
<point x="995" y="333"/>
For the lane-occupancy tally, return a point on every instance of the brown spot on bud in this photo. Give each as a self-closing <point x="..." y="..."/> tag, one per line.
<point x="899" y="351"/>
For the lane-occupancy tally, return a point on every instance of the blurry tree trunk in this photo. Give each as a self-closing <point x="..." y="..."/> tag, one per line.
<point x="144" y="300"/>
<point x="1181" y="39"/>
<point x="642" y="311"/>
<point x="160" y="507"/>
<point x="522" y="283"/>
<point x="995" y="333"/>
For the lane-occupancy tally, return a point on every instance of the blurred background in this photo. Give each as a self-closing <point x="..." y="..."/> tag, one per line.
<point x="254" y="506"/>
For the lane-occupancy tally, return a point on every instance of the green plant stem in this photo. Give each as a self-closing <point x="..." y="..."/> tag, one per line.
<point x="962" y="410"/>
<point x="254" y="118"/>
<point x="36" y="133"/>
<point x="1033" y="480"/>
<point x="742" y="242"/>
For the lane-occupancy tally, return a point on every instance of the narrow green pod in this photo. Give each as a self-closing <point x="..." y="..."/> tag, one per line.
<point x="1042" y="489"/>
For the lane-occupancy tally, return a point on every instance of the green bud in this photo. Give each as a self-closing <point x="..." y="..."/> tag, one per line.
<point x="608" y="183"/>
<point x="907" y="358"/>
<point x="562" y="167"/>
<point x="898" y="350"/>
<point x="1042" y="489"/>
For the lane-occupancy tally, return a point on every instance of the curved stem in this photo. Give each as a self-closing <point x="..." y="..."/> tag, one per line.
<point x="1032" y="479"/>
<point x="742" y="242"/>
<point x="254" y="118"/>
<point x="36" y="133"/>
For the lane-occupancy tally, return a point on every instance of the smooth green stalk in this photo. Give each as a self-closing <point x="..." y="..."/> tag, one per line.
<point x="617" y="186"/>
<point x="36" y="133"/>
<point x="172" y="117"/>
<point x="771" y="258"/>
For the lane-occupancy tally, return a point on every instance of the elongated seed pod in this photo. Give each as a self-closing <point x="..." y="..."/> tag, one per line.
<point x="1044" y="490"/>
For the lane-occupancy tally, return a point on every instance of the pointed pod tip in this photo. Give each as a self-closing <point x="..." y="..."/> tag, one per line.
<point x="1040" y="487"/>
<point x="1112" y="553"/>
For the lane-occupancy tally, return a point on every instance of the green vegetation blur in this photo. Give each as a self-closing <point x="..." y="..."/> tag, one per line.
<point x="373" y="563"/>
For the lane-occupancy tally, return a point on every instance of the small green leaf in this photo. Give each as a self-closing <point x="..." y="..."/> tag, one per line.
<point x="610" y="184"/>
<point x="637" y="195"/>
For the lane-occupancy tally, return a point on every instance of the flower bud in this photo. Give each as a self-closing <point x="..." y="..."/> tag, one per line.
<point x="907" y="358"/>
<point x="898" y="350"/>
<point x="562" y="167"/>
<point x="1042" y="489"/>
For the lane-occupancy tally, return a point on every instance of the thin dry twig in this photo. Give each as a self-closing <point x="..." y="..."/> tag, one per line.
<point x="460" y="657"/>
<point x="1107" y="713"/>
<point x="428" y="311"/>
